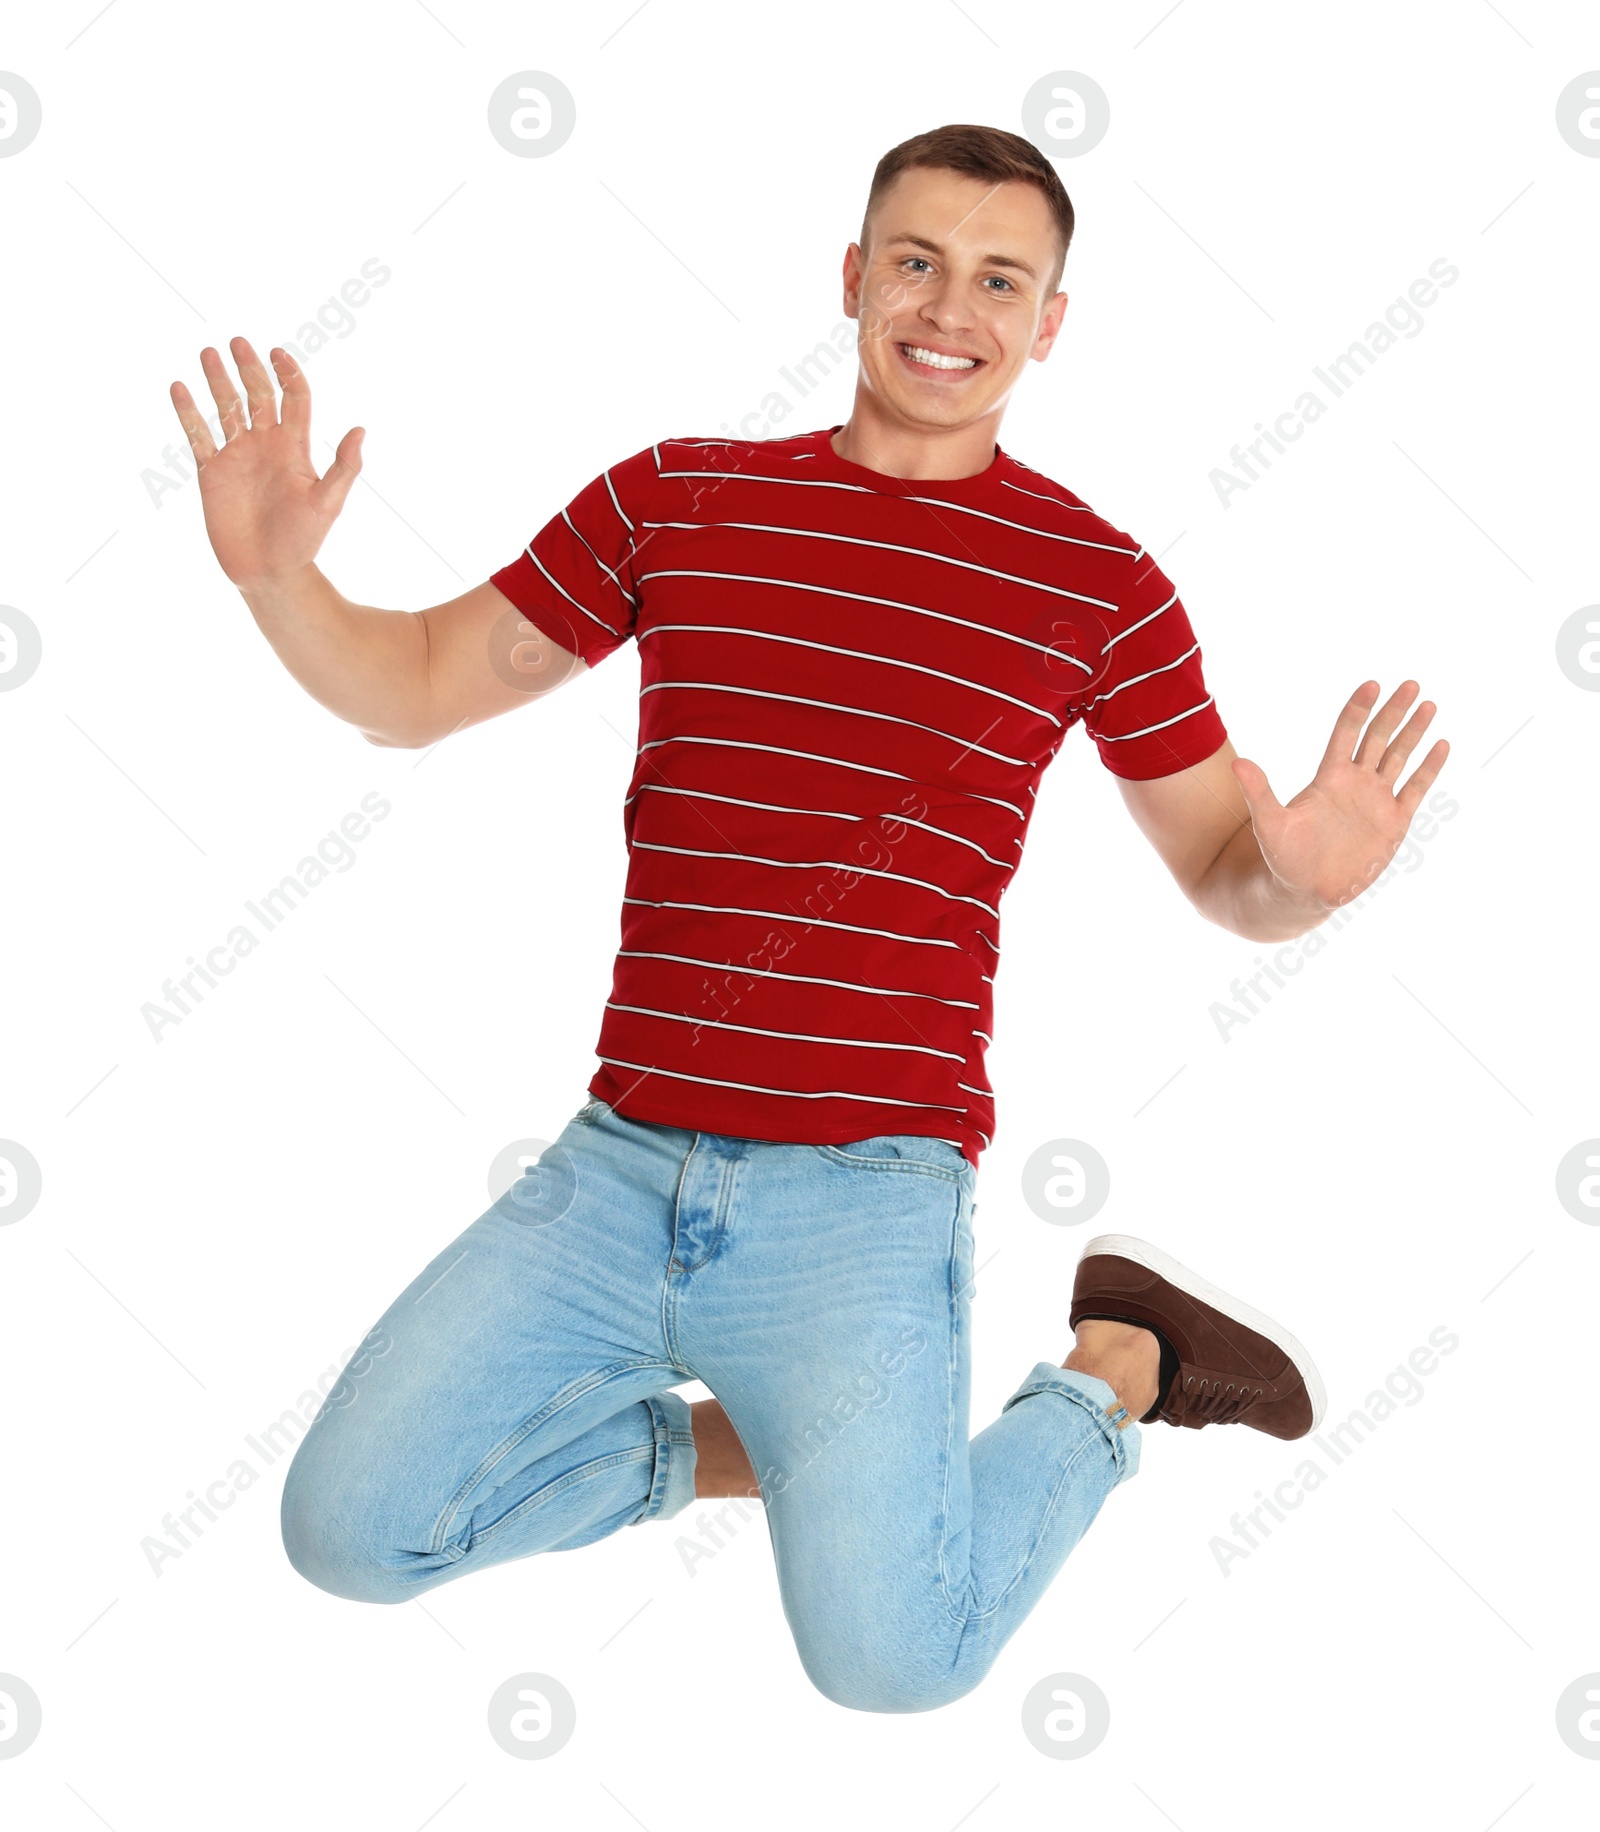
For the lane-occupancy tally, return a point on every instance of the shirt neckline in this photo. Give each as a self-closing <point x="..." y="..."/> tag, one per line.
<point x="978" y="483"/>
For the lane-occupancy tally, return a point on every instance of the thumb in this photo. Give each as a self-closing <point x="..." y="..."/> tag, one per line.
<point x="334" y="484"/>
<point x="1252" y="780"/>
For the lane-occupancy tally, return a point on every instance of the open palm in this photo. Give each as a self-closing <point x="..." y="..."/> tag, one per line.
<point x="1334" y="838"/>
<point x="266" y="510"/>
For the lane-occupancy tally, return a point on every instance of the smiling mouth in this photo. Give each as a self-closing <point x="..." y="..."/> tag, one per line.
<point x="934" y="362"/>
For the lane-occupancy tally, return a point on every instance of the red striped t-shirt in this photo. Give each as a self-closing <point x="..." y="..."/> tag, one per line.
<point x="850" y="686"/>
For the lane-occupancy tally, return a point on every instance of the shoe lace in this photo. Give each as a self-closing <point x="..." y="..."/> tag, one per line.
<point x="1214" y="1402"/>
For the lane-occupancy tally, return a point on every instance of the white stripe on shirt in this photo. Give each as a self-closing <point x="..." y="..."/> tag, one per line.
<point x="924" y="553"/>
<point x="751" y="1087"/>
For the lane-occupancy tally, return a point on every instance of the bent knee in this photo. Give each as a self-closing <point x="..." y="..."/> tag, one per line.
<point x="325" y="1556"/>
<point x="887" y="1684"/>
<point x="332" y="1548"/>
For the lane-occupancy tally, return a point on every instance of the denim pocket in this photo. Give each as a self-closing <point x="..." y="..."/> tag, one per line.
<point x="913" y="1151"/>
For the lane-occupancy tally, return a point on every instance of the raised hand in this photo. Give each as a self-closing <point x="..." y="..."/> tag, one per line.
<point x="266" y="510"/>
<point x="1334" y="838"/>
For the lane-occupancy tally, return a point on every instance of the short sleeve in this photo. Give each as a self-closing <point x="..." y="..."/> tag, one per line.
<point x="1151" y="713"/>
<point x="575" y="578"/>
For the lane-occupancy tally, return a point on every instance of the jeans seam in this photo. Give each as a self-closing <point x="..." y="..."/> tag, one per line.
<point x="977" y="1615"/>
<point x="952" y="1371"/>
<point x="1049" y="1514"/>
<point x="669" y="1307"/>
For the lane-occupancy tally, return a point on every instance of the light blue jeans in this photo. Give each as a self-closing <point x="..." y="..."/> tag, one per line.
<point x="517" y="1397"/>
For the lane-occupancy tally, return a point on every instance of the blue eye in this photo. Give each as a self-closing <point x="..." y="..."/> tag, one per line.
<point x="1001" y="278"/>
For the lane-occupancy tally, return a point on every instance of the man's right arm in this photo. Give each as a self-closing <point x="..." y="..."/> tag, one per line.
<point x="406" y="679"/>
<point x="402" y="678"/>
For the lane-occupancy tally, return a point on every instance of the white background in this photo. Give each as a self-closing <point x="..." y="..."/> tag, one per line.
<point x="1371" y="1157"/>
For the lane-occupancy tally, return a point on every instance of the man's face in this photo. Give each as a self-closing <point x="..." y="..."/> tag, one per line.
<point x="955" y="267"/>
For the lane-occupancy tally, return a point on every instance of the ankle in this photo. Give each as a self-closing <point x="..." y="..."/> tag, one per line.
<point x="1126" y="1356"/>
<point x="720" y="1464"/>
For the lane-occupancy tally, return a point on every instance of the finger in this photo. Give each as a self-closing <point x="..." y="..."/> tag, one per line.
<point x="1252" y="779"/>
<point x="189" y="418"/>
<point x="229" y="410"/>
<point x="334" y="484"/>
<point x="1421" y="781"/>
<point x="1347" y="727"/>
<point x="1394" y="759"/>
<point x="258" y="389"/>
<point x="296" y="394"/>
<point x="1384" y="720"/>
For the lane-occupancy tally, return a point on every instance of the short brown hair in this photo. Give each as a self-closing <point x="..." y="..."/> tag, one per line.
<point x="977" y="152"/>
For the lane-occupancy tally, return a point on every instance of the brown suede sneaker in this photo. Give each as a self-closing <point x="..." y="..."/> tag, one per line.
<point x="1235" y="1366"/>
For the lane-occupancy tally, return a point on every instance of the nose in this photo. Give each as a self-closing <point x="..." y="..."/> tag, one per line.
<point x="945" y="306"/>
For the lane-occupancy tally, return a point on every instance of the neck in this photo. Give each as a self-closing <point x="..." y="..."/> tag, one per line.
<point x="884" y="441"/>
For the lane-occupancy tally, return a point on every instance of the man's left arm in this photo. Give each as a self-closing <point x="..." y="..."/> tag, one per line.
<point x="1270" y="870"/>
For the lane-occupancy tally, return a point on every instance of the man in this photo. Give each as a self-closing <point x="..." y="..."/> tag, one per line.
<point x="860" y="647"/>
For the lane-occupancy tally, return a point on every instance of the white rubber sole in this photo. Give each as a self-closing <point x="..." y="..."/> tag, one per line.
<point x="1128" y="1247"/>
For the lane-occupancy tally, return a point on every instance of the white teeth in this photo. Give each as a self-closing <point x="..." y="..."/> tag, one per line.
<point x="935" y="361"/>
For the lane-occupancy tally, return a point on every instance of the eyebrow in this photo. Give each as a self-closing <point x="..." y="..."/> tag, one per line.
<point x="989" y="260"/>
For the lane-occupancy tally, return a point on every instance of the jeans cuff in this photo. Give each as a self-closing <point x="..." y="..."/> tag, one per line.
<point x="672" y="1484"/>
<point x="1097" y="1399"/>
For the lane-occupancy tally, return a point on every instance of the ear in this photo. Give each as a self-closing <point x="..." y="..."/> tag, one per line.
<point x="854" y="267"/>
<point x="1049" y="327"/>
